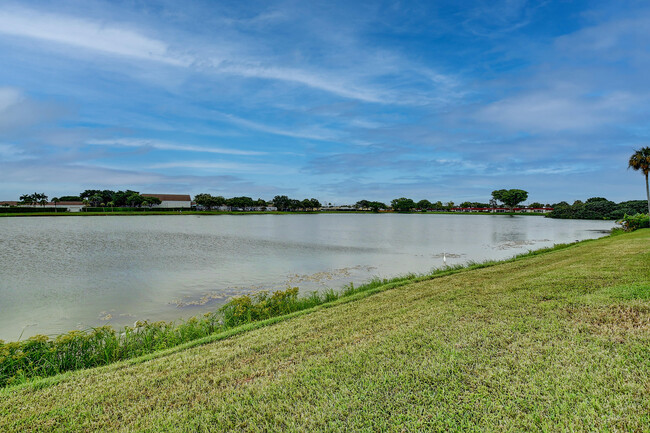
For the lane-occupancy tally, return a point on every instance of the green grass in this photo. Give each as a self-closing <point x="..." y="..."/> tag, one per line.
<point x="557" y="341"/>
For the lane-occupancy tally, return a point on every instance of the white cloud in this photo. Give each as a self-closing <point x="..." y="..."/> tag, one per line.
<point x="88" y="34"/>
<point x="162" y="145"/>
<point x="562" y="169"/>
<point x="556" y="110"/>
<point x="235" y="58"/>
<point x="9" y="152"/>
<point x="9" y="97"/>
<point x="613" y="39"/>
<point x="226" y="166"/>
<point x="313" y="133"/>
<point x="17" y="110"/>
<point x="328" y="82"/>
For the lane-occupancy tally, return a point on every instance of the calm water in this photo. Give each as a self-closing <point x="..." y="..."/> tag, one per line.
<point x="58" y="274"/>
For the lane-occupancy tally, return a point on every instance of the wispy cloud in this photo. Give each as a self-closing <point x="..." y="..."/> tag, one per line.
<point x="559" y="109"/>
<point x="324" y="81"/>
<point x="225" y="166"/>
<point x="59" y="178"/>
<point x="124" y="40"/>
<point x="162" y="145"/>
<point x="87" y="34"/>
<point x="313" y="133"/>
<point x="9" y="152"/>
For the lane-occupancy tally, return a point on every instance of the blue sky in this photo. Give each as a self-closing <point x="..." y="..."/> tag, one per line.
<point x="340" y="101"/>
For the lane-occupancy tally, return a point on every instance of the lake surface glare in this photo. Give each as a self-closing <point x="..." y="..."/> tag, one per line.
<point x="63" y="273"/>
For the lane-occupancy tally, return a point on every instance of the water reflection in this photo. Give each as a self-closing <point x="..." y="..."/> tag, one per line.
<point x="63" y="273"/>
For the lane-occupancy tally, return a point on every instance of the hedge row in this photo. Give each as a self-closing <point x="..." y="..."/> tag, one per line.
<point x="134" y="209"/>
<point x="15" y="209"/>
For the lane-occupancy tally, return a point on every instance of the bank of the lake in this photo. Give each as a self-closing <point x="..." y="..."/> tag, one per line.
<point x="555" y="341"/>
<point x="151" y="212"/>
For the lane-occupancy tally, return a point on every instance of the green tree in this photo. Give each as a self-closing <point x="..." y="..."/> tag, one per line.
<point x="510" y="197"/>
<point x="95" y="199"/>
<point x="120" y="197"/>
<point x="305" y="204"/>
<point x="89" y="193"/>
<point x="55" y="200"/>
<point x="205" y="200"/>
<point x="41" y="198"/>
<point x="151" y="201"/>
<point x="242" y="202"/>
<point x="33" y="199"/>
<point x="362" y="204"/>
<point x="424" y="205"/>
<point x="27" y="199"/>
<point x="282" y="202"/>
<point x="107" y="195"/>
<point x="294" y="204"/>
<point x="403" y="204"/>
<point x="640" y="161"/>
<point x="134" y="200"/>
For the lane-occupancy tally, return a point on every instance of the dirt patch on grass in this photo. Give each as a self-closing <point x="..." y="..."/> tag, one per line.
<point x="615" y="321"/>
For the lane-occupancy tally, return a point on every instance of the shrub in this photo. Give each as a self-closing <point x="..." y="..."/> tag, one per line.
<point x="634" y="222"/>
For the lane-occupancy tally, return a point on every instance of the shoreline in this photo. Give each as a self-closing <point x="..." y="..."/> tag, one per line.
<point x="328" y="298"/>
<point x="176" y="213"/>
<point x="496" y="348"/>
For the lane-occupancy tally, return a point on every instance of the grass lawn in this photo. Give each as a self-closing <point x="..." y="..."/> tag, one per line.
<point x="554" y="342"/>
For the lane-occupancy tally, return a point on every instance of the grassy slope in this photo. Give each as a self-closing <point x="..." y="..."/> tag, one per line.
<point x="559" y="341"/>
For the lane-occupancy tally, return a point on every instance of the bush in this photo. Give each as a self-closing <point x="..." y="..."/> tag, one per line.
<point x="245" y="309"/>
<point x="634" y="222"/>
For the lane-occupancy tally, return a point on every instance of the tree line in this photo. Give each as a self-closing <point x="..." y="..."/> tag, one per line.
<point x="109" y="198"/>
<point x="508" y="197"/>
<point x="95" y="198"/>
<point x="597" y="208"/>
<point x="281" y="202"/>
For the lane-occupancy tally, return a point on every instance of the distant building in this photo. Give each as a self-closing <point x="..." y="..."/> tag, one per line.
<point x="172" y="200"/>
<point x="503" y="209"/>
<point x="70" y="206"/>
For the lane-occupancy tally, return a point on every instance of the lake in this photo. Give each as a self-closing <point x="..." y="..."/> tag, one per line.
<point x="64" y="273"/>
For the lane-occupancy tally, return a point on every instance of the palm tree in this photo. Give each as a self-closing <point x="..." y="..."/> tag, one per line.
<point x="640" y="160"/>
<point x="55" y="200"/>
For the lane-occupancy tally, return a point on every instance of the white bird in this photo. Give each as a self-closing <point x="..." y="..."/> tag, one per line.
<point x="444" y="258"/>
